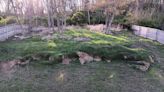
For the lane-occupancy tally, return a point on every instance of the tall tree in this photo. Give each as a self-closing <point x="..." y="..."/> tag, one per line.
<point x="111" y="9"/>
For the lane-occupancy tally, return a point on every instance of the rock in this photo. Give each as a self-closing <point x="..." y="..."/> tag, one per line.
<point x="21" y="37"/>
<point x="82" y="61"/>
<point x="51" y="59"/>
<point x="84" y="57"/>
<point x="36" y="58"/>
<point x="108" y="61"/>
<point x="125" y="57"/>
<point x="151" y="59"/>
<point x="66" y="60"/>
<point x="97" y="59"/>
<point x="143" y="65"/>
<point x="23" y="63"/>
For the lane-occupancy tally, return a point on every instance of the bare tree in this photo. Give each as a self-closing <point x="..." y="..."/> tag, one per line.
<point x="87" y="8"/>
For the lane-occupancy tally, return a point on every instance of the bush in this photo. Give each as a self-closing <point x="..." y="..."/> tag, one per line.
<point x="162" y="23"/>
<point x="97" y="18"/>
<point x="149" y="23"/>
<point x="1" y="18"/>
<point x="79" y="18"/>
<point x="7" y="20"/>
<point x="69" y="21"/>
<point x="120" y="20"/>
<point x="41" y="21"/>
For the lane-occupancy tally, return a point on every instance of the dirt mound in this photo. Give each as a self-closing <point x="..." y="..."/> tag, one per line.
<point x="82" y="57"/>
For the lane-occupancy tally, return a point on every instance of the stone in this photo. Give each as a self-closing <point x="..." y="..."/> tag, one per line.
<point x="51" y="59"/>
<point x="97" y="59"/>
<point x="125" y="57"/>
<point x="144" y="66"/>
<point x="23" y="63"/>
<point x="108" y="61"/>
<point x="66" y="60"/>
<point x="82" y="61"/>
<point x="151" y="59"/>
<point x="84" y="57"/>
<point x="36" y="58"/>
<point x="21" y="37"/>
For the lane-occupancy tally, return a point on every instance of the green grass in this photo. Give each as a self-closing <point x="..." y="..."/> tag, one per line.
<point x="106" y="46"/>
<point x="97" y="77"/>
<point x="94" y="77"/>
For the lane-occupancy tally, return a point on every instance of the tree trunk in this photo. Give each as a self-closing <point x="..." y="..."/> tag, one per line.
<point x="109" y="23"/>
<point x="8" y="6"/>
<point x="137" y="8"/>
<point x="49" y="20"/>
<point x="58" y="25"/>
<point x="89" y="17"/>
<point x="49" y="14"/>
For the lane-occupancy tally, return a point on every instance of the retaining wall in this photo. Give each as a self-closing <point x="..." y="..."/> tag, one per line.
<point x="150" y="33"/>
<point x="10" y="30"/>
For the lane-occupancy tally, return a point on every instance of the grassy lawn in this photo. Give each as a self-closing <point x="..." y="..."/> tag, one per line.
<point x="99" y="44"/>
<point x="116" y="76"/>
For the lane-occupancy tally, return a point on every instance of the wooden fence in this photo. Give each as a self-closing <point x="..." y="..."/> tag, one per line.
<point x="10" y="30"/>
<point x="150" y="33"/>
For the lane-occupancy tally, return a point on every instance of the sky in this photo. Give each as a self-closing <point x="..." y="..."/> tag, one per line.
<point x="1" y="6"/>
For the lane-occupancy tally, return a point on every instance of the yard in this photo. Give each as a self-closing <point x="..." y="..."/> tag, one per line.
<point x="46" y="75"/>
<point x="81" y="46"/>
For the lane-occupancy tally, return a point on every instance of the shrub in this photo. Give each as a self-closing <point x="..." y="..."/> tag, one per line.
<point x="79" y="18"/>
<point x="41" y="21"/>
<point x="120" y="20"/>
<point x="162" y="23"/>
<point x="1" y="18"/>
<point x="7" y="20"/>
<point x="69" y="21"/>
<point x="96" y="17"/>
<point x="149" y="23"/>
